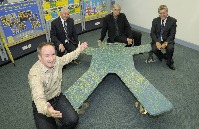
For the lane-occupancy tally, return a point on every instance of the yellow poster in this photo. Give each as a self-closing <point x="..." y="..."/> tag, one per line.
<point x="58" y="3"/>
<point x="59" y="10"/>
<point x="76" y="1"/>
<point x="48" y="15"/>
<point x="46" y="5"/>
<point x="64" y="2"/>
<point x="77" y="7"/>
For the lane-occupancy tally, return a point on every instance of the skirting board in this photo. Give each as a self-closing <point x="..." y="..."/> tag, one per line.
<point x="179" y="41"/>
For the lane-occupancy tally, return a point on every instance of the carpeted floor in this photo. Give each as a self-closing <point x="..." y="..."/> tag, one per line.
<point x="111" y="104"/>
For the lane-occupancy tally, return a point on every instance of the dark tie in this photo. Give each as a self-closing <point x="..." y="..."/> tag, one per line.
<point x="116" y="26"/>
<point x="65" y="29"/>
<point x="161" y="29"/>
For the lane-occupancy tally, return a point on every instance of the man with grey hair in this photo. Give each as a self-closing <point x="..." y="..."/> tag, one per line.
<point x="163" y="32"/>
<point x="63" y="33"/>
<point x="119" y="29"/>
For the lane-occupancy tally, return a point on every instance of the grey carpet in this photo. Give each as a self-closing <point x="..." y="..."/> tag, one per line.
<point x="111" y="104"/>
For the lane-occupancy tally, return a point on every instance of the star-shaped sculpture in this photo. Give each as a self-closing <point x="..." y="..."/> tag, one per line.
<point x="115" y="58"/>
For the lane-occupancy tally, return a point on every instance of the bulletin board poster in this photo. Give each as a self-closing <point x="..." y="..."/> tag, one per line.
<point x="52" y="8"/>
<point x="93" y="8"/>
<point x="74" y="6"/>
<point x="77" y="6"/>
<point x="20" y="21"/>
<point x="71" y="6"/>
<point x="48" y="4"/>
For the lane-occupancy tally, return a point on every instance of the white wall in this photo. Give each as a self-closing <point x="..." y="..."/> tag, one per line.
<point x="118" y="1"/>
<point x="142" y="12"/>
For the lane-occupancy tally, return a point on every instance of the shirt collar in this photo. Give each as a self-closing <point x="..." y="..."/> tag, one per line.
<point x="165" y="20"/>
<point x="62" y="20"/>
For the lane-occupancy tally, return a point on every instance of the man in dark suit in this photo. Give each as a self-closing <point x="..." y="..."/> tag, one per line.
<point x="163" y="34"/>
<point x="119" y="29"/>
<point x="63" y="33"/>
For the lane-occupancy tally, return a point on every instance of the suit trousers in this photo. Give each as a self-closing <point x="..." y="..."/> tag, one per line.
<point x="123" y="38"/>
<point x="69" y="47"/>
<point x="69" y="118"/>
<point x="160" y="55"/>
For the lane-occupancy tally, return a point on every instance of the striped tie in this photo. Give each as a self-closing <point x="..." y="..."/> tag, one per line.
<point x="161" y="30"/>
<point x="65" y="29"/>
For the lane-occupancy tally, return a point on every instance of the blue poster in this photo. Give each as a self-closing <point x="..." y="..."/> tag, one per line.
<point x="95" y="8"/>
<point x="70" y="1"/>
<point x="20" y="18"/>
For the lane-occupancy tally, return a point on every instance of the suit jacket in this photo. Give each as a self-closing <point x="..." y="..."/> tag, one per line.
<point x="57" y="33"/>
<point x="169" y="30"/>
<point x="109" y="25"/>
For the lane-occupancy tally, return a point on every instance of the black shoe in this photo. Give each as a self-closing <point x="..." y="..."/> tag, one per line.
<point x="172" y="62"/>
<point x="171" y="66"/>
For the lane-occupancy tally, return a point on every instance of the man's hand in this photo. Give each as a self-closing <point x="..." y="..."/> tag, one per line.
<point x="99" y="42"/>
<point x="82" y="46"/>
<point x="164" y="45"/>
<point x="130" y="41"/>
<point x="158" y="45"/>
<point x="61" y="47"/>
<point x="52" y="112"/>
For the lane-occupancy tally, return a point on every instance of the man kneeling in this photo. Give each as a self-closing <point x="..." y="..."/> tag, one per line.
<point x="45" y="78"/>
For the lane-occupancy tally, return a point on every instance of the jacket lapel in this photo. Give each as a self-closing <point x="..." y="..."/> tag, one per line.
<point x="60" y="25"/>
<point x="167" y="23"/>
<point x="159" y="25"/>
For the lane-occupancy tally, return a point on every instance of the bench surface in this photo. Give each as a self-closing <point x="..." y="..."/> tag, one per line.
<point x="115" y="58"/>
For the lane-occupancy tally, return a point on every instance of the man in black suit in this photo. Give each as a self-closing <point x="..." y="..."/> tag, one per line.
<point x="63" y="33"/>
<point x="163" y="34"/>
<point x="119" y="29"/>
